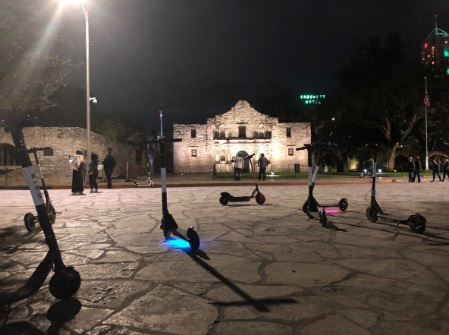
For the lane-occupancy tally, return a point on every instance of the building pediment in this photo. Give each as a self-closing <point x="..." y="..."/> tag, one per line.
<point x="243" y="113"/>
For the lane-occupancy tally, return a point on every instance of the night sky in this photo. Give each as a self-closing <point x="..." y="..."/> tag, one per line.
<point x="205" y="55"/>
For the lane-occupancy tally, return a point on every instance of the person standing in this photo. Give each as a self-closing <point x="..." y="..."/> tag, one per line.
<point x="411" y="169"/>
<point x="78" y="169"/>
<point x="436" y="166"/>
<point x="446" y="168"/>
<point x="93" y="173"/>
<point x="418" y="169"/>
<point x="108" y="166"/>
<point x="263" y="163"/>
<point x="238" y="166"/>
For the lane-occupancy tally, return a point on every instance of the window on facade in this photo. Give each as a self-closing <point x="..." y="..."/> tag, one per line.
<point x="48" y="152"/>
<point x="193" y="133"/>
<point x="268" y="134"/>
<point x="289" y="132"/>
<point x="222" y="158"/>
<point x="242" y="131"/>
<point x="290" y="151"/>
<point x="193" y="153"/>
<point x="8" y="155"/>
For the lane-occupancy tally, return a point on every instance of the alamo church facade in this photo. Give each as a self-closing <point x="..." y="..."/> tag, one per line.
<point x="211" y="147"/>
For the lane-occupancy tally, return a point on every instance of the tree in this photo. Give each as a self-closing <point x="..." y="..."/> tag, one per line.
<point x="33" y="59"/>
<point x="381" y="93"/>
<point x="437" y="120"/>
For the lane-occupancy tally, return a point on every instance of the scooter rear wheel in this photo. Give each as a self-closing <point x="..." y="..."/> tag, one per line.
<point x="223" y="201"/>
<point x="30" y="221"/>
<point x="343" y="204"/>
<point x="417" y="223"/>
<point x="260" y="198"/>
<point x="371" y="214"/>
<point x="65" y="283"/>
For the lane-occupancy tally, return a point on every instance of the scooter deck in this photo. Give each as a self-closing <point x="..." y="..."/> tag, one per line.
<point x="328" y="205"/>
<point x="237" y="199"/>
<point x="393" y="217"/>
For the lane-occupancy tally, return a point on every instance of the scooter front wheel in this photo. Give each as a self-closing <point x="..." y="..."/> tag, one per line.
<point x="417" y="223"/>
<point x="194" y="239"/>
<point x="30" y="221"/>
<point x="65" y="283"/>
<point x="371" y="214"/>
<point x="343" y="204"/>
<point x="223" y="201"/>
<point x="305" y="209"/>
<point x="323" y="218"/>
<point x="52" y="214"/>
<point x="165" y="231"/>
<point x="260" y="198"/>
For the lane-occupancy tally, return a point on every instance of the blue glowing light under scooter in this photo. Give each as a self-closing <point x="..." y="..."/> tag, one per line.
<point x="178" y="243"/>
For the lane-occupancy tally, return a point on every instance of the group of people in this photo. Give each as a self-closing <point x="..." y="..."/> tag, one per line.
<point x="262" y="162"/>
<point x="79" y="170"/>
<point x="414" y="169"/>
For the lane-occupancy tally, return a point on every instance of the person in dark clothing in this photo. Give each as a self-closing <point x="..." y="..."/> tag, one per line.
<point x="411" y="169"/>
<point x="93" y="173"/>
<point x="108" y="166"/>
<point x="418" y="169"/>
<point x="446" y="168"/>
<point x="263" y="163"/>
<point x="78" y="169"/>
<point x="436" y="165"/>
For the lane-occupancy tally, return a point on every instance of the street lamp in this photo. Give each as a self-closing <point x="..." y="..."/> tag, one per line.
<point x="88" y="98"/>
<point x="86" y="16"/>
<point x="426" y="105"/>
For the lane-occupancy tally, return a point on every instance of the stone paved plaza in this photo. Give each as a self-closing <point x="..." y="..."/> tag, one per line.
<point x="261" y="269"/>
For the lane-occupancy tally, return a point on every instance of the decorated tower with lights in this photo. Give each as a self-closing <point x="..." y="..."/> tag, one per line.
<point x="435" y="52"/>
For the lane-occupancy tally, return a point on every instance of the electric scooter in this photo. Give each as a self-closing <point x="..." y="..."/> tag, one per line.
<point x="256" y="194"/>
<point x="416" y="221"/>
<point x="311" y="204"/>
<point x="65" y="281"/>
<point x="168" y="223"/>
<point x="30" y="219"/>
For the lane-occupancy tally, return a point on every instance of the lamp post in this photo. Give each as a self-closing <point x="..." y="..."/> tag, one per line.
<point x="426" y="104"/>
<point x="88" y="99"/>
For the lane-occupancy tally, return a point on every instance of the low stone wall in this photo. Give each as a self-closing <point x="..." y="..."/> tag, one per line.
<point x="64" y="141"/>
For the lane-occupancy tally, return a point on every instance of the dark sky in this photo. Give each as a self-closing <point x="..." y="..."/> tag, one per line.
<point x="205" y="55"/>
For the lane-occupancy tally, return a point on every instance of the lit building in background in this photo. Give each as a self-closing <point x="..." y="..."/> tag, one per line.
<point x="435" y="52"/>
<point x="312" y="99"/>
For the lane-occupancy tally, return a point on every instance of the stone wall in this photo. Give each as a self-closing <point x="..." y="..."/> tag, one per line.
<point x="211" y="147"/>
<point x="64" y="141"/>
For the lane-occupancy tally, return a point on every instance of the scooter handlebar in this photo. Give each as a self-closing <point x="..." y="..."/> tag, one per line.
<point x="38" y="148"/>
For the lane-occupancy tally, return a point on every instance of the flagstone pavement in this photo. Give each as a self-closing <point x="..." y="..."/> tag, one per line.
<point x="260" y="269"/>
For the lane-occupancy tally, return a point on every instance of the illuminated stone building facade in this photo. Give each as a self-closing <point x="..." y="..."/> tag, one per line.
<point x="210" y="147"/>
